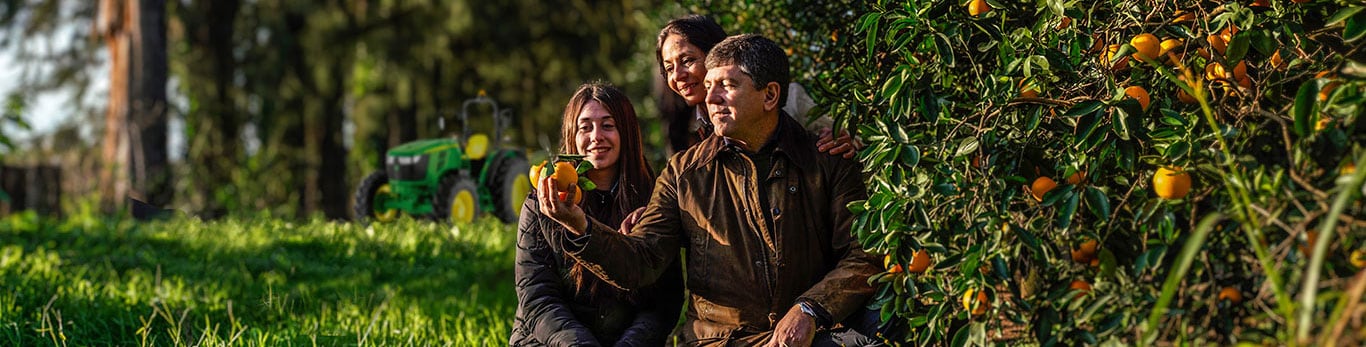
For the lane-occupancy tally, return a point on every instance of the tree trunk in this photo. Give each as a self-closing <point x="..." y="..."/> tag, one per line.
<point x="134" y="152"/>
<point x="149" y="166"/>
<point x="114" y="25"/>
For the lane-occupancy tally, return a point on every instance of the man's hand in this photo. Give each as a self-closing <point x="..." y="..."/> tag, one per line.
<point x="844" y="145"/>
<point x="559" y="205"/>
<point x="631" y="220"/>
<point x="795" y="329"/>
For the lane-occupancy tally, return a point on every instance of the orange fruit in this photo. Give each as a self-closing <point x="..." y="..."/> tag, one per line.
<point x="1086" y="252"/>
<point x="1148" y="46"/>
<point x="1260" y="3"/>
<point x="1240" y="70"/>
<point x="1081" y="287"/>
<point x="1215" y="72"/>
<point x="919" y="263"/>
<point x="1167" y="46"/>
<point x="891" y="268"/>
<point x="1140" y="94"/>
<point x="1041" y="186"/>
<point x="1218" y="43"/>
<point x="980" y="305"/>
<point x="1027" y="91"/>
<point x="1231" y="294"/>
<point x="1347" y="169"/>
<point x="565" y="176"/>
<point x="1183" y="16"/>
<point x="1077" y="177"/>
<point x="1171" y="183"/>
<point x="535" y="174"/>
<point x="1322" y="123"/>
<point x="978" y="7"/>
<point x="1358" y="258"/>
<point x="1064" y="23"/>
<point x="1277" y="62"/>
<point x="1301" y="1"/>
<point x="578" y="195"/>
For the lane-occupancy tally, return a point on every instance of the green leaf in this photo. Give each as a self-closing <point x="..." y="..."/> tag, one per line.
<point x="965" y="146"/>
<point x="1237" y="47"/>
<point x="1084" y="108"/>
<point x="1069" y="208"/>
<point x="1085" y="126"/>
<point x="1342" y="14"/>
<point x="583" y="167"/>
<point x="941" y="43"/>
<point x="1303" y="109"/>
<point x="1355" y="28"/>
<point x="1177" y="150"/>
<point x="587" y="184"/>
<point x="1098" y="203"/>
<point x="960" y="338"/>
<point x="1263" y="42"/>
<point x="910" y="156"/>
<point x="892" y="86"/>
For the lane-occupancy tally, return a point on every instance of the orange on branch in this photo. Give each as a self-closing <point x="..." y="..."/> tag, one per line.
<point x="920" y="262"/>
<point x="1082" y="288"/>
<point x="1041" y="186"/>
<point x="1079" y="176"/>
<point x="1147" y="45"/>
<point x="976" y="301"/>
<point x="1140" y="94"/>
<point x="1171" y="183"/>
<point x="1086" y="252"/>
<point x="1231" y="294"/>
<point x="978" y="7"/>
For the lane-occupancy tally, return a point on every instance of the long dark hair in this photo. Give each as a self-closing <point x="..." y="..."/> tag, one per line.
<point x="635" y="178"/>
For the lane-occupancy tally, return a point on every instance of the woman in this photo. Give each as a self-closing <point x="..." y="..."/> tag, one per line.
<point x="559" y="303"/>
<point x="682" y="51"/>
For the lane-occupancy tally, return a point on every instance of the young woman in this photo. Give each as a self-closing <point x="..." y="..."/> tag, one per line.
<point x="559" y="302"/>
<point x="682" y="51"/>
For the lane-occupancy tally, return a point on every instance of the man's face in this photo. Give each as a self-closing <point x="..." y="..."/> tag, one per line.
<point x="735" y="105"/>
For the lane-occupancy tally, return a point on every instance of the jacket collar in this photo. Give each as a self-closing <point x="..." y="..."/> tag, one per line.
<point x="789" y="138"/>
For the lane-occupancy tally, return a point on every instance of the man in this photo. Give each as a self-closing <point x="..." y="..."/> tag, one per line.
<point x="761" y="214"/>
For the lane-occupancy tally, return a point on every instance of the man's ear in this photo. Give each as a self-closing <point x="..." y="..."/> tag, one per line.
<point x="772" y="91"/>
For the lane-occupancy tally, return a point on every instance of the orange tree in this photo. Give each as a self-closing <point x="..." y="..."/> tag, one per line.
<point x="1125" y="171"/>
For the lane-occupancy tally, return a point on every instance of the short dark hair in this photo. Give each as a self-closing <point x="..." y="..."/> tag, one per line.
<point x="758" y="57"/>
<point x="698" y="30"/>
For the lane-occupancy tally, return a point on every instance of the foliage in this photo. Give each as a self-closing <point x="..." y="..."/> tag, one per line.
<point x="957" y="136"/>
<point x="962" y="113"/>
<point x="257" y="281"/>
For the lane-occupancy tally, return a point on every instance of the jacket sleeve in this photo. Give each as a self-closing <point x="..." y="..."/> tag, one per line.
<point x="638" y="259"/>
<point x="843" y="290"/>
<point x="542" y="299"/>
<point x="659" y="312"/>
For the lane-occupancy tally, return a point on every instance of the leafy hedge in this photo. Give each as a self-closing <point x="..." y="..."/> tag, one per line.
<point x="964" y="114"/>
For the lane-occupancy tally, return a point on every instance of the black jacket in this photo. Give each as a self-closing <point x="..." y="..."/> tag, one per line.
<point x="550" y="314"/>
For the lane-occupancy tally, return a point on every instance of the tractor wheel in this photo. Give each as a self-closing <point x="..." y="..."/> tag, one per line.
<point x="457" y="200"/>
<point x="370" y="197"/>
<point x="510" y="187"/>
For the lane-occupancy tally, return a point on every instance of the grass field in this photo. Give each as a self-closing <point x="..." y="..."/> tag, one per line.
<point x="254" y="282"/>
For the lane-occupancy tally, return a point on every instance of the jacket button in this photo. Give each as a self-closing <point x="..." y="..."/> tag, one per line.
<point x="791" y="189"/>
<point x="772" y="319"/>
<point x="758" y="263"/>
<point x="776" y="211"/>
<point x="778" y="173"/>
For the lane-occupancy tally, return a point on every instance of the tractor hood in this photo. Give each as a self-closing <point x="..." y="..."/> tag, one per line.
<point x="423" y="147"/>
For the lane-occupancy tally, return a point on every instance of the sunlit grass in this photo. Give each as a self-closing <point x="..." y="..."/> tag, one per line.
<point x="254" y="281"/>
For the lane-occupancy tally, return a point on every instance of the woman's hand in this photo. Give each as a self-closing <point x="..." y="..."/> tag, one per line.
<point x="844" y="145"/>
<point x="559" y="206"/>
<point x="631" y="220"/>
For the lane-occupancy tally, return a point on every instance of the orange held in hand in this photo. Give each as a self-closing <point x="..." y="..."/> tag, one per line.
<point x="565" y="176"/>
<point x="535" y="174"/>
<point x="578" y="195"/>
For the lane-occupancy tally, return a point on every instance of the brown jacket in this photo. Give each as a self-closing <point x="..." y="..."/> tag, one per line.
<point x="742" y="274"/>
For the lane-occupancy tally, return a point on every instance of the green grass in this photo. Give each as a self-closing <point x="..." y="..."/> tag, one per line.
<point x="253" y="282"/>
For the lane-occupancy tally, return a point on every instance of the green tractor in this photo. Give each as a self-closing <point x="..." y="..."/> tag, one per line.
<point x="448" y="179"/>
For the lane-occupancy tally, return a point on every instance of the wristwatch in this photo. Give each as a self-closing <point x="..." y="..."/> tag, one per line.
<point x="810" y="310"/>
